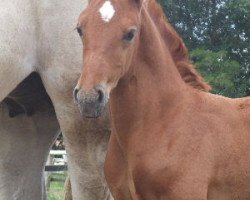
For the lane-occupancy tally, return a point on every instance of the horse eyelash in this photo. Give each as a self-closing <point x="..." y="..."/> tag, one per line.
<point x="79" y="31"/>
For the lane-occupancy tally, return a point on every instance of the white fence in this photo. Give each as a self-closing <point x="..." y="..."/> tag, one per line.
<point x="52" y="160"/>
<point x="57" y="161"/>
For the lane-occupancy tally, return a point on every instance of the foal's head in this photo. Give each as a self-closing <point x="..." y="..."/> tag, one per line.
<point x="109" y="31"/>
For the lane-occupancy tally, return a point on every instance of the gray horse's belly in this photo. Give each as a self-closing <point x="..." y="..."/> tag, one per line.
<point x="28" y="97"/>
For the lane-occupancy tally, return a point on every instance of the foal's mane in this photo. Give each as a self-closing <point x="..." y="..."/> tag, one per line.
<point x="177" y="47"/>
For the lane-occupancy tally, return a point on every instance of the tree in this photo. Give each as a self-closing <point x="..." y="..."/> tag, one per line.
<point x="212" y="65"/>
<point x="215" y="28"/>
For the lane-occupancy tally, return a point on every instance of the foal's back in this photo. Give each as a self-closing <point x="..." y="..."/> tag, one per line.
<point x="216" y="132"/>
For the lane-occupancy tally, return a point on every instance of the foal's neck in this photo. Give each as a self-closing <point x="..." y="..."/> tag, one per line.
<point x="150" y="90"/>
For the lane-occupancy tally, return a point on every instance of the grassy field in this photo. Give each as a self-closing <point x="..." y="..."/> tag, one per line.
<point x="56" y="189"/>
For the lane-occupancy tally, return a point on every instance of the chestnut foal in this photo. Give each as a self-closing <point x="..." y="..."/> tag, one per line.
<point x="169" y="141"/>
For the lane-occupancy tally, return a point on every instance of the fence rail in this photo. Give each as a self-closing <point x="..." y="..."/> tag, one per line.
<point x="57" y="152"/>
<point x="56" y="168"/>
<point x="55" y="164"/>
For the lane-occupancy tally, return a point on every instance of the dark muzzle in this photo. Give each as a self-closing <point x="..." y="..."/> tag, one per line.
<point x="91" y="103"/>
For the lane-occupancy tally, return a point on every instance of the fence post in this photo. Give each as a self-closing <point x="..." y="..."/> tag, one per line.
<point x="47" y="176"/>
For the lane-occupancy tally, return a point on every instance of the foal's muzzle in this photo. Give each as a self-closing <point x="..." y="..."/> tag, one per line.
<point x="91" y="103"/>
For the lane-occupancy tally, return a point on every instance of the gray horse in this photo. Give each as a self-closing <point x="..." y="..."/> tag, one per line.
<point x="40" y="49"/>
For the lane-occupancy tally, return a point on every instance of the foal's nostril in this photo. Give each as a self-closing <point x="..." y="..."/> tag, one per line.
<point x="75" y="92"/>
<point x="100" y="96"/>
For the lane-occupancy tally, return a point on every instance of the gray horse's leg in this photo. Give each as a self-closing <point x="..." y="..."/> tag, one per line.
<point x="24" y="147"/>
<point x="85" y="140"/>
<point x="86" y="143"/>
<point x="25" y="141"/>
<point x="86" y="149"/>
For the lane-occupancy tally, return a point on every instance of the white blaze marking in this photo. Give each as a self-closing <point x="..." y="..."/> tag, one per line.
<point x="107" y="11"/>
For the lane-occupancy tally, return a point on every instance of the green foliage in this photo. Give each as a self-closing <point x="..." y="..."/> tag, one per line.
<point x="56" y="189"/>
<point x="219" y="70"/>
<point x="222" y="27"/>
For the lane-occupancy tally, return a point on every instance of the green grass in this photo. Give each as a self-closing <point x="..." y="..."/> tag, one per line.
<point x="56" y="189"/>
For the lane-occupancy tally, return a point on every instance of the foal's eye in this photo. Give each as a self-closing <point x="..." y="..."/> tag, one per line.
<point x="79" y="31"/>
<point x="129" y="36"/>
